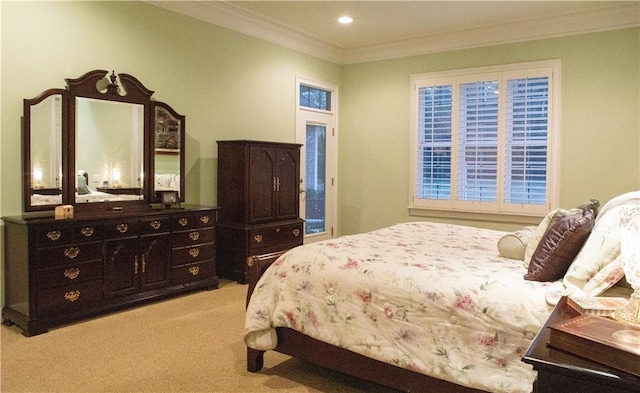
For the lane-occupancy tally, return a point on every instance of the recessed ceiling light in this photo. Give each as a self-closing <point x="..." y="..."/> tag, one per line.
<point x="345" y="20"/>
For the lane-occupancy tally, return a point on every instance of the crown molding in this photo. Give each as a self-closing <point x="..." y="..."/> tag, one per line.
<point x="230" y="16"/>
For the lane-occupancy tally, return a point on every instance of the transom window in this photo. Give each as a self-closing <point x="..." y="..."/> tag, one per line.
<point x="312" y="97"/>
<point x="483" y="140"/>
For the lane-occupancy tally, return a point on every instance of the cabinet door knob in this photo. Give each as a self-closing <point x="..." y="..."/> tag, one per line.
<point x="72" y="273"/>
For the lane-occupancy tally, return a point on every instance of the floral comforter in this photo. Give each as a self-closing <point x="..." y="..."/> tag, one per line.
<point x="434" y="298"/>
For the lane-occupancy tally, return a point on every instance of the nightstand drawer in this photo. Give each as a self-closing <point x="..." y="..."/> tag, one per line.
<point x="275" y="236"/>
<point x="70" y="298"/>
<point x="187" y="255"/>
<point x="68" y="275"/>
<point x="190" y="238"/>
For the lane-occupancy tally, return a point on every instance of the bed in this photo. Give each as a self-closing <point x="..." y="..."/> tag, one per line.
<point x="424" y="306"/>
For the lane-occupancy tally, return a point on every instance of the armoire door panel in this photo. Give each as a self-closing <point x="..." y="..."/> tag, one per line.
<point x="287" y="191"/>
<point x="262" y="184"/>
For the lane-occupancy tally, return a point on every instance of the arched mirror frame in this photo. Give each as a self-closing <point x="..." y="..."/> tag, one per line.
<point x="28" y="175"/>
<point x="87" y="86"/>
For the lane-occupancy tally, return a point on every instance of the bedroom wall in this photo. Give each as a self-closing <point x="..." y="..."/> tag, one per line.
<point x="600" y="127"/>
<point x="228" y="85"/>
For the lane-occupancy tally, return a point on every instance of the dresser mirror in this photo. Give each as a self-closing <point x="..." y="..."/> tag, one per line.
<point x="100" y="143"/>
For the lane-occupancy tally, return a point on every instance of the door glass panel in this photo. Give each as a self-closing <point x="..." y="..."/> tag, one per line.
<point x="315" y="202"/>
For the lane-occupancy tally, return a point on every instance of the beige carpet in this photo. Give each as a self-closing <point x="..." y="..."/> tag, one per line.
<point x="191" y="343"/>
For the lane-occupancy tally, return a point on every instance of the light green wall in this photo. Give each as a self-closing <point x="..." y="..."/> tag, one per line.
<point x="227" y="84"/>
<point x="233" y="86"/>
<point x="600" y="127"/>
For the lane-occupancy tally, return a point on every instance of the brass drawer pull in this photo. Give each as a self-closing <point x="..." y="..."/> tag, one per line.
<point x="183" y="222"/>
<point x="155" y="224"/>
<point x="71" y="252"/>
<point x="194" y="270"/>
<point x="194" y="236"/>
<point x="194" y="252"/>
<point x="122" y="228"/>
<point x="53" y="235"/>
<point x="72" y="296"/>
<point x="204" y="219"/>
<point x="72" y="273"/>
<point x="296" y="232"/>
<point x="87" y="231"/>
<point x="258" y="238"/>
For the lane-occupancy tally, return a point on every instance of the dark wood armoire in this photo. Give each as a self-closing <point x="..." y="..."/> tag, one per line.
<point x="258" y="196"/>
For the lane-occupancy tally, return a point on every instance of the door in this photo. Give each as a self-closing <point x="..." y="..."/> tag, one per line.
<point x="316" y="130"/>
<point x="121" y="267"/>
<point x="155" y="252"/>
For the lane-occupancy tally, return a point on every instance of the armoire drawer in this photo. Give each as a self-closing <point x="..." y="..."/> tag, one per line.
<point x="193" y="272"/>
<point x="187" y="255"/>
<point x="69" y="298"/>
<point x="193" y="237"/>
<point x="274" y="236"/>
<point x="71" y="253"/>
<point x="69" y="274"/>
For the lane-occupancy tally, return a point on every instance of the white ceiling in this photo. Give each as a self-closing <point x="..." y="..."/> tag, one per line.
<point x="388" y="29"/>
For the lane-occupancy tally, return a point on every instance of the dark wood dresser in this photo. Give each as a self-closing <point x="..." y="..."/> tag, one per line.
<point x="259" y="200"/>
<point x="560" y="372"/>
<point x="58" y="271"/>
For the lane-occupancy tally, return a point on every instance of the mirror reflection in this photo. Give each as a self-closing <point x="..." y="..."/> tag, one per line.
<point x="109" y="150"/>
<point x="167" y="144"/>
<point x="45" y="124"/>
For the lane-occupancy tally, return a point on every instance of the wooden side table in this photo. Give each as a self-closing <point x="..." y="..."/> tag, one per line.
<point x="560" y="371"/>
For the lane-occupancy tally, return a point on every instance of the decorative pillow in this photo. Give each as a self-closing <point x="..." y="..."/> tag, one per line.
<point x="546" y="222"/>
<point x="83" y="189"/>
<point x="559" y="246"/>
<point x="513" y="245"/>
<point x="601" y="249"/>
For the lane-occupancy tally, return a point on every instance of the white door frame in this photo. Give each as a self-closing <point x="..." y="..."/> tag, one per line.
<point x="329" y="119"/>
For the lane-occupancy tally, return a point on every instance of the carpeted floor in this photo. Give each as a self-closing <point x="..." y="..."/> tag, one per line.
<point x="191" y="343"/>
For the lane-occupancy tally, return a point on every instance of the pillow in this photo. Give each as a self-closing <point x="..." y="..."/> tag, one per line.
<point x="601" y="249"/>
<point x="512" y="245"/>
<point x="559" y="246"/>
<point x="552" y="217"/>
<point x="83" y="189"/>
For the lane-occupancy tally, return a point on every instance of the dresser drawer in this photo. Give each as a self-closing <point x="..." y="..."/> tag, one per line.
<point x="69" y="298"/>
<point x="193" y="237"/>
<point x="121" y="228"/>
<point x="71" y="253"/>
<point x="193" y="272"/>
<point x="193" y="220"/>
<point x="68" y="275"/>
<point x="60" y="234"/>
<point x="155" y="225"/>
<point x="187" y="255"/>
<point x="276" y="235"/>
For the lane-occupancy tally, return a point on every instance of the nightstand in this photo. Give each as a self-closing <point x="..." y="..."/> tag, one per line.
<point x="560" y="371"/>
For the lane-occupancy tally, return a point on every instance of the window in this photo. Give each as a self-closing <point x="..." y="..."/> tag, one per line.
<point x="312" y="97"/>
<point x="483" y="140"/>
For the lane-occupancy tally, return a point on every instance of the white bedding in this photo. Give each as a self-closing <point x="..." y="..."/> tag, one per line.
<point x="434" y="298"/>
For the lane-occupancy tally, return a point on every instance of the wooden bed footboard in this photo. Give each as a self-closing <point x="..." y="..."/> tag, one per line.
<point x="298" y="345"/>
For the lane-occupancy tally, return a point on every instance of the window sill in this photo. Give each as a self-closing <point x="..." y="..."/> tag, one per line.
<point x="509" y="218"/>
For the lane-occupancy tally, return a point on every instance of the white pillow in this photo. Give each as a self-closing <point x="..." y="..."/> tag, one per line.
<point x="513" y="245"/>
<point x="590" y="271"/>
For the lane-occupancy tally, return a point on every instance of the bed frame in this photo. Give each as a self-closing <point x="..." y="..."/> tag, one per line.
<point x="295" y="344"/>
